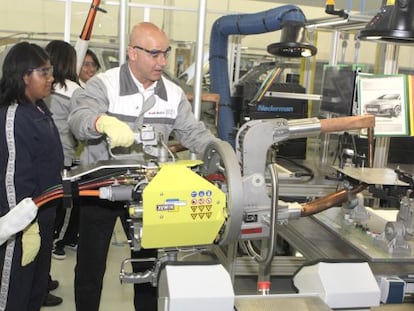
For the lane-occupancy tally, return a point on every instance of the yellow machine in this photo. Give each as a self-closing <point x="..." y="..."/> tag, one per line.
<point x="223" y="198"/>
<point x="180" y="208"/>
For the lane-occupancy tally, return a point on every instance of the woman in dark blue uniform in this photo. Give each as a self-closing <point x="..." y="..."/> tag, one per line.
<point x="31" y="160"/>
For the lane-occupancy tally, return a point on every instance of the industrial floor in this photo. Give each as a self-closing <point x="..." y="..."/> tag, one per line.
<point x="115" y="296"/>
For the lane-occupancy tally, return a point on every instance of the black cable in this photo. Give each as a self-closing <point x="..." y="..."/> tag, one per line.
<point x="308" y="172"/>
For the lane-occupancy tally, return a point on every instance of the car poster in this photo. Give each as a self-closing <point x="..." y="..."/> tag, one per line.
<point x="385" y="96"/>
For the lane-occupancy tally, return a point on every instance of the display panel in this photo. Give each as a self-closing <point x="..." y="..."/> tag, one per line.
<point x="338" y="90"/>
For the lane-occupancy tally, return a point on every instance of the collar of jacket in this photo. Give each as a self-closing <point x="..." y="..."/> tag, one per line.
<point x="128" y="87"/>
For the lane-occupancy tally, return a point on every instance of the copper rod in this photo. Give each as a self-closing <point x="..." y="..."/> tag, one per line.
<point x="371" y="147"/>
<point x="347" y="123"/>
<point x="330" y="200"/>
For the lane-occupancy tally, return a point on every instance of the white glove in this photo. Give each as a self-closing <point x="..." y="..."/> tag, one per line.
<point x="17" y="219"/>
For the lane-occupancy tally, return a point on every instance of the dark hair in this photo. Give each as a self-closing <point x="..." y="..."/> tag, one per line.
<point x="63" y="59"/>
<point x="18" y="62"/>
<point x="94" y="58"/>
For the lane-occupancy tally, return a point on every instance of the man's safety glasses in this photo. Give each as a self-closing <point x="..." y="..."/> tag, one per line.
<point x="154" y="53"/>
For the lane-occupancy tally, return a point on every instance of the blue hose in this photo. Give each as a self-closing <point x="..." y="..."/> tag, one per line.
<point x="243" y="24"/>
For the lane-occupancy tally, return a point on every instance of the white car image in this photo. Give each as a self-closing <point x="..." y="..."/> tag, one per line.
<point x="387" y="105"/>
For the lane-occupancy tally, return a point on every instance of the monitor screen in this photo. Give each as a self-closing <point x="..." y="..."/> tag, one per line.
<point x="338" y="89"/>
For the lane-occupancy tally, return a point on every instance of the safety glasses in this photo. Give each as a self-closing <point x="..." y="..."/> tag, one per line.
<point x="154" y="53"/>
<point x="43" y="71"/>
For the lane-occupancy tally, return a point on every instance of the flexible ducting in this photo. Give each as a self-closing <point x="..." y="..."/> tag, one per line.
<point x="242" y="24"/>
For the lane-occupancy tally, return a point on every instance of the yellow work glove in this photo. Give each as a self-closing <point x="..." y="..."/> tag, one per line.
<point x="119" y="133"/>
<point x="30" y="243"/>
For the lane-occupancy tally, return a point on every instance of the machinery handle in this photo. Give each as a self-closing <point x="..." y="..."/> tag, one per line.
<point x="347" y="123"/>
<point x="146" y="276"/>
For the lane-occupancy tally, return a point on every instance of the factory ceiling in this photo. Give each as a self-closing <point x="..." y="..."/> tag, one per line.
<point x="359" y="6"/>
